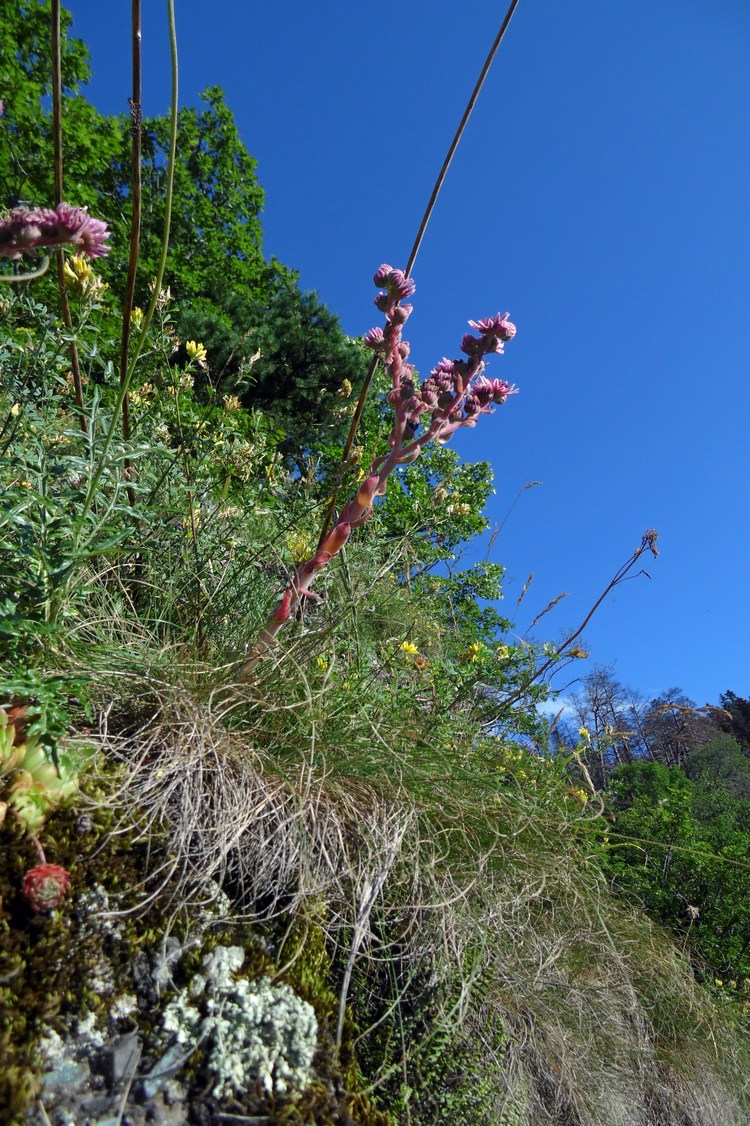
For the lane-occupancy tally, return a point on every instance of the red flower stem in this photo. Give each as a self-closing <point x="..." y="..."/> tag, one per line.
<point x="38" y="848"/>
<point x="355" y="513"/>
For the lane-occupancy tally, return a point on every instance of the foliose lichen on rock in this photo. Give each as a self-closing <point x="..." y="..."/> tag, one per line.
<point x="250" y="1032"/>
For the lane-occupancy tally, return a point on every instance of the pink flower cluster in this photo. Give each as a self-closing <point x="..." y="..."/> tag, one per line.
<point x="456" y="392"/>
<point x="24" y="230"/>
<point x="454" y="395"/>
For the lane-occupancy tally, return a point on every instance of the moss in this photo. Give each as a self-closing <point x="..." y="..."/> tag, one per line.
<point x="49" y="958"/>
<point x="305" y="964"/>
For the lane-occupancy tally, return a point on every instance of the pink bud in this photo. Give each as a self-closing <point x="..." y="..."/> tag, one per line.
<point x="382" y="273"/>
<point x="401" y="314"/>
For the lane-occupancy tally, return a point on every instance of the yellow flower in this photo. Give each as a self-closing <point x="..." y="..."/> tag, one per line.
<point x="322" y="663"/>
<point x="344" y="390"/>
<point x="136" y="316"/>
<point x="232" y="403"/>
<point x="718" y="981"/>
<point x="141" y="394"/>
<point x="472" y="654"/>
<point x="584" y="733"/>
<point x="196" y="352"/>
<point x="15" y="410"/>
<point x="409" y="648"/>
<point x="81" y="279"/>
<point x="301" y="545"/>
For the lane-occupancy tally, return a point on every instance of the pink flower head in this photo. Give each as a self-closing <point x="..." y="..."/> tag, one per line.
<point x="382" y="273"/>
<point x="23" y="230"/>
<point x="44" y="887"/>
<point x="20" y="231"/>
<point x="374" y="339"/>
<point x="430" y="393"/>
<point x="414" y="405"/>
<point x="445" y="367"/>
<point x="400" y="285"/>
<point x="394" y="282"/>
<point x="74" y="225"/>
<point x="495" y="331"/>
<point x="492" y="390"/>
<point x="471" y="344"/>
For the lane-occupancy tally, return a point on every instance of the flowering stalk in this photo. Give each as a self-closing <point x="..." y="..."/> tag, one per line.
<point x="455" y="395"/>
<point x="437" y="187"/>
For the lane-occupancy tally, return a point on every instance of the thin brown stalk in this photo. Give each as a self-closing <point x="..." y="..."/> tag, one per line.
<point x="58" y="176"/>
<point x="136" y="114"/>
<point x="550" y="606"/>
<point x="357" y="417"/>
<point x="648" y="543"/>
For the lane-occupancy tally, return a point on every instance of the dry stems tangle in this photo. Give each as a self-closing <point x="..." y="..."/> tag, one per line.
<point x="455" y="394"/>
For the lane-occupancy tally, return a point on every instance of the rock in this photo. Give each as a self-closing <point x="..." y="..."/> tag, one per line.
<point x="121" y="1058"/>
<point x="163" y="1070"/>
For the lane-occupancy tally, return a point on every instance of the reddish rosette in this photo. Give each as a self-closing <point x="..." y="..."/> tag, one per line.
<point x="44" y="887"/>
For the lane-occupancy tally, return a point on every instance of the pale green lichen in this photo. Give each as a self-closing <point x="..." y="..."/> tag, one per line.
<point x="249" y="1032"/>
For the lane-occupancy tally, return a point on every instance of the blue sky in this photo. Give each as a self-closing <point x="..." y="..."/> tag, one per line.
<point x="600" y="194"/>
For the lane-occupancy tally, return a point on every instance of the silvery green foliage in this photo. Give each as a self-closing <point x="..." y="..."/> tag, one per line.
<point x="249" y="1031"/>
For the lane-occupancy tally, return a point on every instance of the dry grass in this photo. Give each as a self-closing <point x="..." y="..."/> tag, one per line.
<point x="597" y="1021"/>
